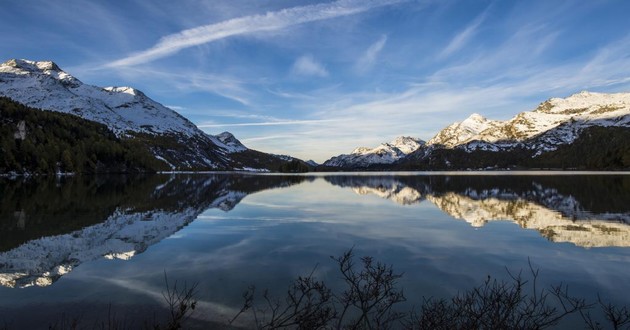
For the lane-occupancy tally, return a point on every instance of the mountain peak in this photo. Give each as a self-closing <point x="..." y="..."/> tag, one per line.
<point x="585" y="103"/>
<point x="476" y="117"/>
<point x="583" y="94"/>
<point x="571" y="113"/>
<point x="45" y="86"/>
<point x="29" y="65"/>
<point x="360" y="150"/>
<point x="230" y="142"/>
<point x="125" y="90"/>
<point x="407" y="144"/>
<point x="405" y="139"/>
<point x="386" y="153"/>
<point x="225" y="135"/>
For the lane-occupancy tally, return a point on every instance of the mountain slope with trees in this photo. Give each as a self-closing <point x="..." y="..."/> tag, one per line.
<point x="131" y="116"/>
<point x="35" y="141"/>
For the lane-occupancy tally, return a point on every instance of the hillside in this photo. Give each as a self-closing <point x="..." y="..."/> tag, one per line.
<point x="130" y="115"/>
<point x="584" y="131"/>
<point x="35" y="141"/>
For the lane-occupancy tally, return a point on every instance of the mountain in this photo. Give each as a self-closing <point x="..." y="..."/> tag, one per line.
<point x="129" y="114"/>
<point x="34" y="141"/>
<point x="583" y="131"/>
<point x="460" y="132"/>
<point x="386" y="153"/>
<point x="554" y="122"/>
<point x="231" y="143"/>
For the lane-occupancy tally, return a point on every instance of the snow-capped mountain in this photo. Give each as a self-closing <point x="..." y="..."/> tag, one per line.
<point x="44" y="85"/>
<point x="130" y="114"/>
<point x="461" y="132"/>
<point x="386" y="153"/>
<point x="230" y="143"/>
<point x="554" y="122"/>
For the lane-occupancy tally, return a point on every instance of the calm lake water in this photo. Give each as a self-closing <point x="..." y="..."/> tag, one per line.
<point x="83" y="247"/>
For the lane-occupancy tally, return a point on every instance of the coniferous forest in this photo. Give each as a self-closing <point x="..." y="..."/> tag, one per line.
<point x="36" y="141"/>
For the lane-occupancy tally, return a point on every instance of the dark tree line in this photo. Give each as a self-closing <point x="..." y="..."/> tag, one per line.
<point x="597" y="148"/>
<point x="56" y="142"/>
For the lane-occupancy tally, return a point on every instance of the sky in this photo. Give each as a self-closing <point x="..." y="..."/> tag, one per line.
<point x="314" y="79"/>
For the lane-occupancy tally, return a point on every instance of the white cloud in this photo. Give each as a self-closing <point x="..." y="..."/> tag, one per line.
<point x="269" y="123"/>
<point x="369" y="57"/>
<point x="192" y="80"/>
<point x="270" y="21"/>
<point x="462" y="38"/>
<point x="308" y="66"/>
<point x="175" y="107"/>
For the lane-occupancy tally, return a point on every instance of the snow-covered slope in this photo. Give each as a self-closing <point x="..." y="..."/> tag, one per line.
<point x="128" y="113"/>
<point x="230" y="143"/>
<point x="386" y="153"/>
<point x="458" y="133"/>
<point x="44" y="85"/>
<point x="554" y="122"/>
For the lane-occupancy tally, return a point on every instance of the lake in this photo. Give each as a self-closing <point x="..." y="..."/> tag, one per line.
<point x="87" y="248"/>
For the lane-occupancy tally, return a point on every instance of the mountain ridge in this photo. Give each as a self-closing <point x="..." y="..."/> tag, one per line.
<point x="583" y="109"/>
<point x="386" y="153"/>
<point x="550" y="129"/>
<point x="132" y="115"/>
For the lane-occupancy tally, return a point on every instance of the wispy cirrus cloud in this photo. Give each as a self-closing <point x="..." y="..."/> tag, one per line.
<point x="368" y="59"/>
<point x="270" y="21"/>
<point x="307" y="66"/>
<point x="270" y="123"/>
<point x="464" y="36"/>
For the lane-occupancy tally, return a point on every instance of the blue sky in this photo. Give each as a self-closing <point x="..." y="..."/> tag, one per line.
<point x="314" y="79"/>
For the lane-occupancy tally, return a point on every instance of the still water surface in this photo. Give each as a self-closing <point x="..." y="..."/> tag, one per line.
<point x="83" y="247"/>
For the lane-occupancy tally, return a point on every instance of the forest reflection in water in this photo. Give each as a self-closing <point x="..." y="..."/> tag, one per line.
<point x="271" y="227"/>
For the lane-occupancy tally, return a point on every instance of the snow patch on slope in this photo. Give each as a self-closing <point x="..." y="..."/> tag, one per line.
<point x="230" y="143"/>
<point x="386" y="153"/>
<point x="44" y="85"/>
<point x="554" y="122"/>
<point x="458" y="133"/>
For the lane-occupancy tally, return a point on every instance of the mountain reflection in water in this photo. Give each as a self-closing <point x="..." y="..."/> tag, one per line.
<point x="50" y="226"/>
<point x="586" y="210"/>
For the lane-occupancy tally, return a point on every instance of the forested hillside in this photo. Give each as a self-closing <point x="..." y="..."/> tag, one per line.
<point x="35" y="141"/>
<point x="597" y="148"/>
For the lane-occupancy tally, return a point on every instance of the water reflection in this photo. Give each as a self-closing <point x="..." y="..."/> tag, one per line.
<point x="587" y="210"/>
<point x="50" y="226"/>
